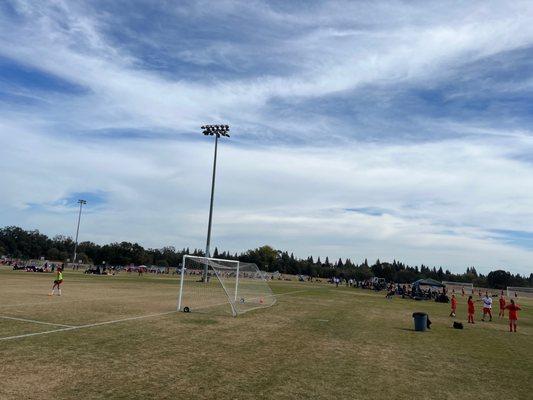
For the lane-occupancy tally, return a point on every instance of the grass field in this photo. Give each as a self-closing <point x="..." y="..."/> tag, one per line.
<point x="317" y="342"/>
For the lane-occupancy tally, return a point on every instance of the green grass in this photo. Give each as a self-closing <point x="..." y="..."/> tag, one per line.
<point x="319" y="343"/>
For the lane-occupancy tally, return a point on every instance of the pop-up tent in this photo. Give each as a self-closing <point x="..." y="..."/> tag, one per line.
<point x="424" y="288"/>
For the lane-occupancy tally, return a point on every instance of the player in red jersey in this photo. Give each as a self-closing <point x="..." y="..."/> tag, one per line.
<point x="471" y="310"/>
<point x="454" y="306"/>
<point x="513" y="315"/>
<point x="502" y="307"/>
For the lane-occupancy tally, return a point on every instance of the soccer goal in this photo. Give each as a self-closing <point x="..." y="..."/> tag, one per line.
<point x="517" y="291"/>
<point x="232" y="286"/>
<point x="459" y="287"/>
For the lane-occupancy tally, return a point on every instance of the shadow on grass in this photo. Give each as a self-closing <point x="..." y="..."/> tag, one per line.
<point x="410" y="330"/>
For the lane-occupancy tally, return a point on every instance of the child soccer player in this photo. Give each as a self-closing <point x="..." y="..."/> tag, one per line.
<point x="513" y="315"/>
<point x="487" y="306"/>
<point x="454" y="306"/>
<point x="471" y="310"/>
<point x="502" y="306"/>
<point x="57" y="282"/>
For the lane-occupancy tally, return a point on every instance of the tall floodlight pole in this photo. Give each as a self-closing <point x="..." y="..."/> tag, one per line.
<point x="81" y="203"/>
<point x="216" y="131"/>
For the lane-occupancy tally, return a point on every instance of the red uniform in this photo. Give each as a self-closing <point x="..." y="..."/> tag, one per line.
<point x="513" y="315"/>
<point x="502" y="307"/>
<point x="502" y="303"/>
<point x="471" y="308"/>
<point x="454" y="303"/>
<point x="513" y="311"/>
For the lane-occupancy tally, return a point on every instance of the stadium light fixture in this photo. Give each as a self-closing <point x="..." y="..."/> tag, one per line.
<point x="81" y="203"/>
<point x="217" y="131"/>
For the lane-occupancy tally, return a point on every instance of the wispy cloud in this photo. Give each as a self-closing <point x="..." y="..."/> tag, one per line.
<point x="378" y="129"/>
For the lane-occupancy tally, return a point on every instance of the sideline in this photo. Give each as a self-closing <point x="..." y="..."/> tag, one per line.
<point x="71" y="328"/>
<point x="35" y="321"/>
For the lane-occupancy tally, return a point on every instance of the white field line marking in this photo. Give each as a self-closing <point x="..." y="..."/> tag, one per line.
<point x="26" y="304"/>
<point x="36" y="333"/>
<point x="71" y="328"/>
<point x="125" y="319"/>
<point x="35" y="322"/>
<point x="47" y="303"/>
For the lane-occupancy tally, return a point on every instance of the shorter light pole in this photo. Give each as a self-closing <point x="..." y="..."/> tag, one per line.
<point x="81" y="203"/>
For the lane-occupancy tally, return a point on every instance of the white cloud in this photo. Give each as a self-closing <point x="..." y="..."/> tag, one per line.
<point x="444" y="197"/>
<point x="67" y="43"/>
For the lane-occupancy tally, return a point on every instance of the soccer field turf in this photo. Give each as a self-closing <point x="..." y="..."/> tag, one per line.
<point x="318" y="341"/>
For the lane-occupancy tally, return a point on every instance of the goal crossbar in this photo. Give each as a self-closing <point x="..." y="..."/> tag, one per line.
<point x="461" y="284"/>
<point x="515" y="291"/>
<point x="240" y="285"/>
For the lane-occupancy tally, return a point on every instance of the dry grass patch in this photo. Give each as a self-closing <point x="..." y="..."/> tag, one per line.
<point x="318" y="343"/>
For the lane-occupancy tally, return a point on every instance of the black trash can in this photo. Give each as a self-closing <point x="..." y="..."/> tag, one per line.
<point x="421" y="321"/>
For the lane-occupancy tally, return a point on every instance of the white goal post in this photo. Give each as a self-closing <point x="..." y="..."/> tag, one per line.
<point x="518" y="291"/>
<point x="468" y="288"/>
<point x="230" y="285"/>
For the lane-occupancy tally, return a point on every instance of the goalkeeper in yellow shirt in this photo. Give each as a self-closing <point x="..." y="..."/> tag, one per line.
<point x="57" y="282"/>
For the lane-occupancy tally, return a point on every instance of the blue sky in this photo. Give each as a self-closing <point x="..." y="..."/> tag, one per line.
<point x="383" y="129"/>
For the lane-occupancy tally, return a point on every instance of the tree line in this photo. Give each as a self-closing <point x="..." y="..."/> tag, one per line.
<point x="31" y="244"/>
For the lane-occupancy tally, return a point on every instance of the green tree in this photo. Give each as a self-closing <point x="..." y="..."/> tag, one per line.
<point x="53" y="254"/>
<point x="499" y="279"/>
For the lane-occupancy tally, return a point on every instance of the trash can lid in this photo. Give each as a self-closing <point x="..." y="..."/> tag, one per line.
<point x="419" y="314"/>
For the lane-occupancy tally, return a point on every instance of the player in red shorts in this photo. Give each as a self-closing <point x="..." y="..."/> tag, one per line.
<point x="487" y="306"/>
<point x="513" y="315"/>
<point x="471" y="310"/>
<point x="502" y="306"/>
<point x="454" y="306"/>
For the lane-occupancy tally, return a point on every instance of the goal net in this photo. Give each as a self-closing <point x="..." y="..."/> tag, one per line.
<point x="517" y="291"/>
<point x="459" y="287"/>
<point x="78" y="266"/>
<point x="227" y="285"/>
